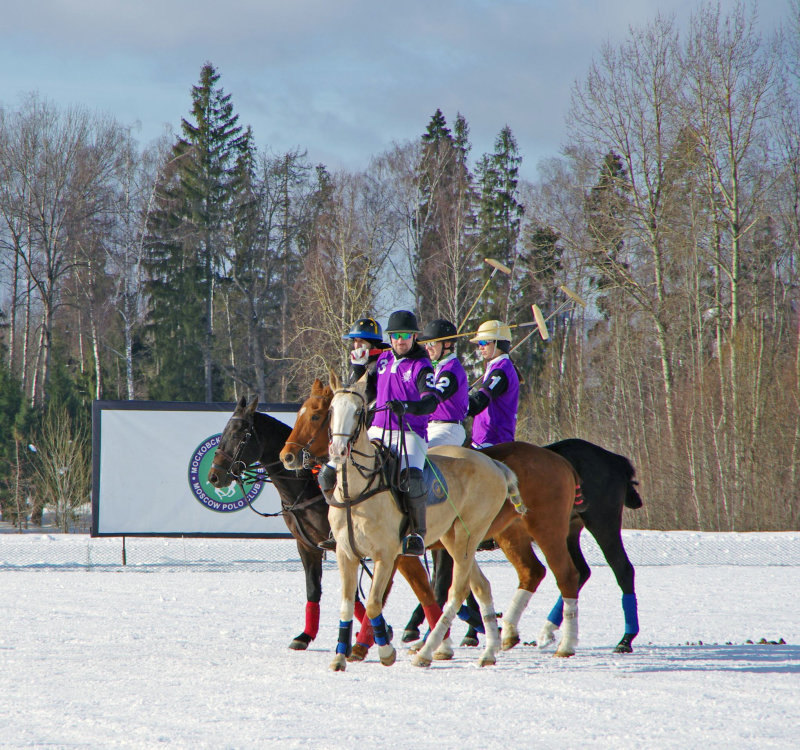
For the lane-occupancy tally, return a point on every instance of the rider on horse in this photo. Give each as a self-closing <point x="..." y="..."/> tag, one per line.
<point x="446" y="426"/>
<point x="406" y="389"/>
<point x="494" y="405"/>
<point x="368" y="345"/>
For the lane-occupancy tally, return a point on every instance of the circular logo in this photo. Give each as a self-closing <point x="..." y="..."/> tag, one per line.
<point x="219" y="499"/>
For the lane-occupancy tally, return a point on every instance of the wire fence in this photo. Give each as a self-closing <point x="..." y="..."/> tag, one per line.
<point x="32" y="551"/>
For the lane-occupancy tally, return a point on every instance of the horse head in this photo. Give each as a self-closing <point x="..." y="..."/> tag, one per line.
<point x="348" y="417"/>
<point x="238" y="445"/>
<point x="307" y="443"/>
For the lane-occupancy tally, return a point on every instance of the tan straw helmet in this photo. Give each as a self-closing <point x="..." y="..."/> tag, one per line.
<point x="492" y="330"/>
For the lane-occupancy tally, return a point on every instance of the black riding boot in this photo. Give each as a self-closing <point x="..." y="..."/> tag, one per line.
<point x="414" y="496"/>
<point x="327" y="483"/>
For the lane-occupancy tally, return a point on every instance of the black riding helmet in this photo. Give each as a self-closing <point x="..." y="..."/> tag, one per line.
<point x="438" y="329"/>
<point x="365" y="328"/>
<point x="402" y="321"/>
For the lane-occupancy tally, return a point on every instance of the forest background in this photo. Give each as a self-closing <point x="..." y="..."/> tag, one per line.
<point x="208" y="267"/>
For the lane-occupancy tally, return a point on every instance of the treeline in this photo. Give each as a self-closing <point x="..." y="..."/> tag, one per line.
<point x="206" y="268"/>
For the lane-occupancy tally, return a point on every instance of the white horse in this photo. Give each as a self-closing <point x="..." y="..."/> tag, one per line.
<point x="367" y="523"/>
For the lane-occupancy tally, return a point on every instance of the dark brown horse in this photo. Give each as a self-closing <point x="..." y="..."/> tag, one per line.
<point x="253" y="438"/>
<point x="547" y="485"/>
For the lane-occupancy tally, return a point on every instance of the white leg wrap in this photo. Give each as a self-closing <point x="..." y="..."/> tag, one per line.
<point x="547" y="634"/>
<point x="569" y="628"/>
<point x="516" y="608"/>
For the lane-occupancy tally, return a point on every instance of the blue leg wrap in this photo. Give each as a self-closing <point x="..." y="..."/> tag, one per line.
<point x="345" y="637"/>
<point x="379" y="629"/>
<point x="467" y="614"/>
<point x="556" y="615"/>
<point x="631" y="613"/>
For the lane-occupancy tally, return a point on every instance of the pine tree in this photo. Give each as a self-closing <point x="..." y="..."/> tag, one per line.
<point x="190" y="234"/>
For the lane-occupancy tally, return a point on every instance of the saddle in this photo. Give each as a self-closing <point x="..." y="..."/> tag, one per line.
<point x="433" y="477"/>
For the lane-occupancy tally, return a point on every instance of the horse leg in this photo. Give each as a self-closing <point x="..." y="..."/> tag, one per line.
<point x="417" y="577"/>
<point x="609" y="539"/>
<point x="515" y="542"/>
<point x="456" y="595"/>
<point x="312" y="568"/>
<point x="483" y="591"/>
<point x="381" y="578"/>
<point x="566" y="575"/>
<point x="556" y="616"/>
<point x="348" y="572"/>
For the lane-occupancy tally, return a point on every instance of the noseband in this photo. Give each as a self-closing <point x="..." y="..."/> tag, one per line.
<point x="309" y="459"/>
<point x="236" y="467"/>
<point x="361" y="418"/>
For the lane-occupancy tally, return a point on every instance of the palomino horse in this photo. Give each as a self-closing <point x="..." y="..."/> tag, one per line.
<point x="253" y="438"/>
<point x="367" y="522"/>
<point x="547" y="487"/>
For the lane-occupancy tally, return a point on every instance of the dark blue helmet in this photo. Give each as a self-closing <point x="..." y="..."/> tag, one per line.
<point x="365" y="328"/>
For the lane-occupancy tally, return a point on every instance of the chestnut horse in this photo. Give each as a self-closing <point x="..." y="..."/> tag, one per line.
<point x="253" y="438"/>
<point x="366" y="522"/>
<point x="546" y="485"/>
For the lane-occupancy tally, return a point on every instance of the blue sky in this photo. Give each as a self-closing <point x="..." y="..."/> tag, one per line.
<point x="343" y="79"/>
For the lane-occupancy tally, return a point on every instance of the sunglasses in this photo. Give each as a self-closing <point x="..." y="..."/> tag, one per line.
<point x="401" y="336"/>
<point x="484" y="343"/>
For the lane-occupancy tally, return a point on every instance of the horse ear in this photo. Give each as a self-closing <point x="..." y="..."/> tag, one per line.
<point x="316" y="387"/>
<point x="334" y="378"/>
<point x="242" y="402"/>
<point x="251" y="407"/>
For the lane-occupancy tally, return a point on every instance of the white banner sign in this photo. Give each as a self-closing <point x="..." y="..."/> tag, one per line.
<point x="150" y="461"/>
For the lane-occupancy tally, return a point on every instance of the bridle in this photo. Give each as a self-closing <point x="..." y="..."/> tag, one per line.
<point x="309" y="459"/>
<point x="236" y="467"/>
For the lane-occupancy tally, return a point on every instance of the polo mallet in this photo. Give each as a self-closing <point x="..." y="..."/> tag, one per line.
<point x="496" y="266"/>
<point x="540" y="321"/>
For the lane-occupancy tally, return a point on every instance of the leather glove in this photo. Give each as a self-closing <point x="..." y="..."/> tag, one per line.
<point x="397" y="406"/>
<point x="359" y="356"/>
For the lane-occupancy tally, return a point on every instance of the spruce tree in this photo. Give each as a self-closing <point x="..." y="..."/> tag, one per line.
<point x="500" y="218"/>
<point x="190" y="234"/>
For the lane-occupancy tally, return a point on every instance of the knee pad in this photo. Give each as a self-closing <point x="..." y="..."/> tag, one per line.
<point x="415" y="482"/>
<point x="327" y="478"/>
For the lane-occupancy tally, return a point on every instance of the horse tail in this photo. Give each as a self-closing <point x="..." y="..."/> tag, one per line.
<point x="632" y="498"/>
<point x="512" y="487"/>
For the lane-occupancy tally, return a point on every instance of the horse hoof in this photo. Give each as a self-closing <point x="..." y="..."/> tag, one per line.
<point x="420" y="661"/>
<point x="300" y="643"/>
<point x="487" y="661"/>
<point x="388" y="655"/>
<point x="470" y="641"/>
<point x="416" y="647"/>
<point x="564" y="654"/>
<point x="444" y="652"/>
<point x="509" y="643"/>
<point x="339" y="663"/>
<point x="624" y="646"/>
<point x="548" y="635"/>
<point x="409" y="635"/>
<point x="358" y="653"/>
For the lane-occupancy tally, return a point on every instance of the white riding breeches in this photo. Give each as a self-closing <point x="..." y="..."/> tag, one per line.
<point x="415" y="450"/>
<point x="445" y="433"/>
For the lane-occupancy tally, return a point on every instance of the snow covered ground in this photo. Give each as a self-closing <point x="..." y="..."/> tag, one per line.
<point x="164" y="654"/>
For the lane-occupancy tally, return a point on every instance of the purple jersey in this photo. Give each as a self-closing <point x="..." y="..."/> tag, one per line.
<point x="397" y="379"/>
<point x="453" y="388"/>
<point x="497" y="423"/>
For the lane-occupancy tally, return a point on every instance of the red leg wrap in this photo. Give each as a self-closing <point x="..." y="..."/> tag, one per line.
<point x="365" y="636"/>
<point x="360" y="610"/>
<point x="312" y="619"/>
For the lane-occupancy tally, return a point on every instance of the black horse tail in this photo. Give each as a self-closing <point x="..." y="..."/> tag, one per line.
<point x="632" y="498"/>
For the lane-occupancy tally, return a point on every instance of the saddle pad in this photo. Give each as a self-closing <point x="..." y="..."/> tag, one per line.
<point x="435" y="482"/>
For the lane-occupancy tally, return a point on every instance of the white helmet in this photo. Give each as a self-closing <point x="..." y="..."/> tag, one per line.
<point x="492" y="330"/>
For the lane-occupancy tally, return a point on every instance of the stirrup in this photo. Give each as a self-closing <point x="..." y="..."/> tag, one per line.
<point x="328" y="544"/>
<point x="413" y="545"/>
